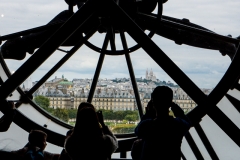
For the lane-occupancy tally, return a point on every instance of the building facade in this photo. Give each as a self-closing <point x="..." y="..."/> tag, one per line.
<point x="109" y="95"/>
<point x="119" y="101"/>
<point x="150" y="75"/>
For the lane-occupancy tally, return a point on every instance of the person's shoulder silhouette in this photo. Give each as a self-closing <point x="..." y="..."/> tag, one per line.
<point x="90" y="138"/>
<point x="162" y="134"/>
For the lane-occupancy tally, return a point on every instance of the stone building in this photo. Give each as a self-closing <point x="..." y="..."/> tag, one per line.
<point x="27" y="84"/>
<point x="179" y="97"/>
<point x="109" y="103"/>
<point x="114" y="99"/>
<point x="150" y="76"/>
<point x="100" y="102"/>
<point x="61" y="102"/>
<point x="108" y="95"/>
<point x="107" y="98"/>
<point x="54" y="82"/>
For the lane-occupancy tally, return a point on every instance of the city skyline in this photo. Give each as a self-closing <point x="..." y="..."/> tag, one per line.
<point x="111" y="94"/>
<point x="149" y="76"/>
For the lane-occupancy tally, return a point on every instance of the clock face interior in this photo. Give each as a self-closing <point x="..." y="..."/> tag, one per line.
<point x="113" y="54"/>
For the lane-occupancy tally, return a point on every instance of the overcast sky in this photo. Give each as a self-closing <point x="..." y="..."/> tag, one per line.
<point x="204" y="67"/>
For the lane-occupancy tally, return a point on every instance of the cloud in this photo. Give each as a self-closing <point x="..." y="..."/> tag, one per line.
<point x="220" y="16"/>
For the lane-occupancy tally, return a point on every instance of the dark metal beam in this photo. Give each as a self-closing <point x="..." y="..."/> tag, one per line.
<point x="112" y="39"/>
<point x="183" y="157"/>
<point x="193" y="146"/>
<point x="230" y="77"/>
<point x="98" y="69"/>
<point x="27" y="124"/>
<point x="237" y="86"/>
<point x="75" y="22"/>
<point x="33" y="30"/>
<point x="132" y="75"/>
<point x="225" y="83"/>
<point x="221" y="120"/>
<point x="62" y="61"/>
<point x="225" y="124"/>
<point x="59" y="49"/>
<point x="206" y="142"/>
<point x="235" y="102"/>
<point x="186" y="27"/>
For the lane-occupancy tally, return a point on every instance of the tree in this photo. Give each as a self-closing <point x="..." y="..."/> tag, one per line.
<point x="108" y="114"/>
<point x="119" y="115"/>
<point x="72" y="113"/>
<point x="42" y="101"/>
<point x="61" y="114"/>
<point x="131" y="117"/>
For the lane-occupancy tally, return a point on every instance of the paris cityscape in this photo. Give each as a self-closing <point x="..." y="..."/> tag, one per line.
<point x="115" y="97"/>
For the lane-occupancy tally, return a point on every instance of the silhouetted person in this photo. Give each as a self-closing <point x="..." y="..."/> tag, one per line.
<point x="64" y="155"/>
<point x="138" y="144"/>
<point x="88" y="140"/>
<point x="162" y="135"/>
<point x="35" y="147"/>
<point x="7" y="118"/>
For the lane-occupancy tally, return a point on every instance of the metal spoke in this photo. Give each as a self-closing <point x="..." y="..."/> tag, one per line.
<point x="98" y="69"/>
<point x="132" y="75"/>
<point x="235" y="102"/>
<point x="112" y="39"/>
<point x="76" y="22"/>
<point x="33" y="30"/>
<point x="225" y="124"/>
<point x="237" y="86"/>
<point x="206" y="142"/>
<point x="70" y="7"/>
<point x="183" y="157"/>
<point x="152" y="21"/>
<point x="193" y="146"/>
<point x="59" y="49"/>
<point x="62" y="61"/>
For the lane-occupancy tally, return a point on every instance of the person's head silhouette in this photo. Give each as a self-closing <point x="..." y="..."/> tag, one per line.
<point x="162" y="98"/>
<point x="87" y="122"/>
